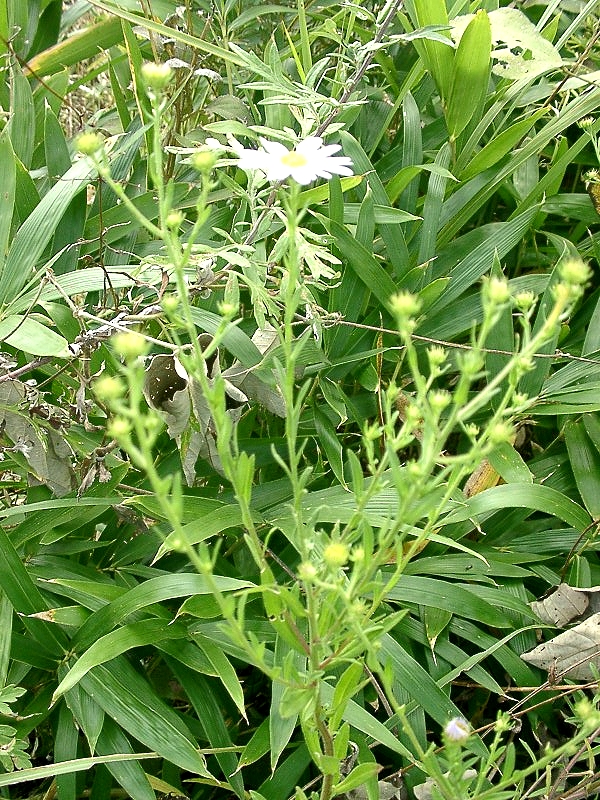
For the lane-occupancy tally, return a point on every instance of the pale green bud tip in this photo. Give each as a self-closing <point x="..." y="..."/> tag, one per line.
<point x="439" y="401"/>
<point x="89" y="143"/>
<point x="586" y="122"/>
<point x="497" y="291"/>
<point x="457" y="730"/>
<point x="524" y="301"/>
<point x="118" y="428"/>
<point x="307" y="571"/>
<point x="587" y="713"/>
<point x="174" y="219"/>
<point x="436" y="355"/>
<point x="156" y="76"/>
<point x="336" y="554"/>
<point x="227" y="310"/>
<point x="130" y="345"/>
<point x="471" y="362"/>
<point x="170" y="303"/>
<point x="501" y="432"/>
<point x="405" y="304"/>
<point x="575" y="272"/>
<point x="109" y="388"/>
<point x="204" y="160"/>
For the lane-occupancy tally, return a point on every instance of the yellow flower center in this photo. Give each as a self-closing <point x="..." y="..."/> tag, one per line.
<point x="294" y="159"/>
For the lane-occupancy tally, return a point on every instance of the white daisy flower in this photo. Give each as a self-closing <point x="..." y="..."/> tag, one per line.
<point x="310" y="159"/>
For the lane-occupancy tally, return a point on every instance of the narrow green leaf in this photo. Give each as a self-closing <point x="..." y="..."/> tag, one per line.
<point x="470" y="74"/>
<point x="534" y="496"/>
<point x="258" y="746"/>
<point x="134" y="705"/>
<point x="437" y="57"/>
<point x="370" y="272"/>
<point x="8" y="182"/>
<point x="66" y="767"/>
<point x="585" y="463"/>
<point x="21" y="124"/>
<point x="129" y="774"/>
<point x="155" y="590"/>
<point x="281" y="727"/>
<point x="30" y="336"/>
<point x="37" y="230"/>
<point x="210" y="715"/>
<point x="224" y="670"/>
<point x="79" y="46"/>
<point x="65" y="749"/>
<point x="500" y="145"/>
<point x="26" y="598"/>
<point x="444" y="594"/>
<point x="138" y="634"/>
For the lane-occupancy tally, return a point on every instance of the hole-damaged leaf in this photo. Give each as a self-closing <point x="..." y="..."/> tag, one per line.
<point x="572" y="653"/>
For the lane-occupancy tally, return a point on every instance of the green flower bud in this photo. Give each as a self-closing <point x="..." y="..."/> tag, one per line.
<point x="524" y="301"/>
<point x="437" y="356"/>
<point x="109" y="388"/>
<point x="439" y="401"/>
<point x="89" y="143"/>
<point x="336" y="554"/>
<point x="130" y="345"/>
<point x="307" y="571"/>
<point x="501" y="432"/>
<point x="156" y="76"/>
<point x="118" y="428"/>
<point x="174" y="219"/>
<point x="405" y="305"/>
<point x="575" y="272"/>
<point x="204" y="160"/>
<point x="170" y="303"/>
<point x="496" y="291"/>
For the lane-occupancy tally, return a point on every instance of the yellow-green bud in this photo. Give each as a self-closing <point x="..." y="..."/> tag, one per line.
<point x="156" y="76"/>
<point x="574" y="271"/>
<point x="336" y="554"/>
<point x="586" y="122"/>
<point x="204" y="160"/>
<point x="130" y="345"/>
<point x="524" y="301"/>
<point x="497" y="291"/>
<point x="470" y="362"/>
<point x="109" y="388"/>
<point x="170" y="303"/>
<point x="436" y="355"/>
<point x="174" y="219"/>
<point x="439" y="401"/>
<point x="118" y="428"/>
<point x="89" y="143"/>
<point x="587" y="713"/>
<point x="227" y="310"/>
<point x="307" y="571"/>
<point x="405" y="304"/>
<point x="501" y="432"/>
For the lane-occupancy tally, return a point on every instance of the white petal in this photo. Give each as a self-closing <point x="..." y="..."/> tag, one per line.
<point x="274" y="148"/>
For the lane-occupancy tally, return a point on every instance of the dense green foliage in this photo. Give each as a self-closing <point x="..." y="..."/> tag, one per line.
<point x="381" y="397"/>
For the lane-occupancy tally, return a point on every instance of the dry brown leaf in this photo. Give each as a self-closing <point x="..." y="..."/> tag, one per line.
<point x="571" y="653"/>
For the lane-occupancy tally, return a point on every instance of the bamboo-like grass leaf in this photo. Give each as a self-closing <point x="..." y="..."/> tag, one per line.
<point x="37" y="230"/>
<point x="134" y="705"/>
<point x="585" y="463"/>
<point x="470" y="74"/>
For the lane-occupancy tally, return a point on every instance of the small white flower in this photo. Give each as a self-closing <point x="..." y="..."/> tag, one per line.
<point x="457" y="730"/>
<point x="310" y="159"/>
